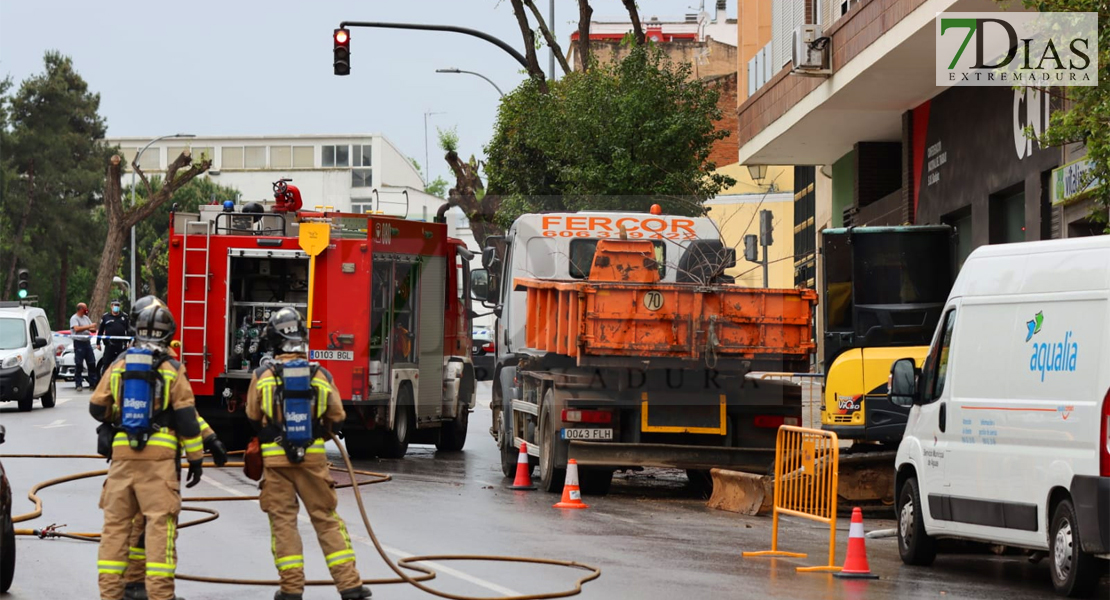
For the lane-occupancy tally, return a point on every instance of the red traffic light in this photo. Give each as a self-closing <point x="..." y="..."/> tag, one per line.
<point x="342" y="36"/>
<point x="342" y="52"/>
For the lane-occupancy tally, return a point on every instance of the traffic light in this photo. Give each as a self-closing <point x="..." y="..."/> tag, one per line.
<point x="23" y="283"/>
<point x="342" y="51"/>
<point x="766" y="227"/>
<point x="751" y="251"/>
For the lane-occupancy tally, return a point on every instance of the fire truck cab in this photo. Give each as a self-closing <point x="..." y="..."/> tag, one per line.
<point x="386" y="301"/>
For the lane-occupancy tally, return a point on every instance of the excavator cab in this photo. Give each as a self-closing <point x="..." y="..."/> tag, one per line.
<point x="884" y="290"/>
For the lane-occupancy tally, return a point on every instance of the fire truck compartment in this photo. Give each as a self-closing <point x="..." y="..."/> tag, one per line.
<point x="261" y="282"/>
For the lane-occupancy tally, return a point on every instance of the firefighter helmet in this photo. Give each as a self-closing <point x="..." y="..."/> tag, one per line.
<point x="138" y="307"/>
<point x="285" y="326"/>
<point x="154" y="324"/>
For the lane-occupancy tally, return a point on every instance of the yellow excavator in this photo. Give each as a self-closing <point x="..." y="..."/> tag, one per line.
<point x="884" y="289"/>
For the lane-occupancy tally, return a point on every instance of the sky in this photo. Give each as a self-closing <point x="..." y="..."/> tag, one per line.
<point x="240" y="67"/>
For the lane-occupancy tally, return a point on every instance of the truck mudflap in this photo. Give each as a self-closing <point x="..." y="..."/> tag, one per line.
<point x="677" y="456"/>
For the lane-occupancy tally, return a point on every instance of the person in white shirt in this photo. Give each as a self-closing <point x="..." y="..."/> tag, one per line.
<point x="80" y="327"/>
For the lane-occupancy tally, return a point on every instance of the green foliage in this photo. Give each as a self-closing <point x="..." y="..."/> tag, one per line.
<point x="1086" y="116"/>
<point x="151" y="235"/>
<point x="448" y="139"/>
<point x="621" y="136"/>
<point x="51" y="177"/>
<point x="438" y="187"/>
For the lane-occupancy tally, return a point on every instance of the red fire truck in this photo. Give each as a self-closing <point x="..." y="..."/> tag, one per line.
<point x="387" y="301"/>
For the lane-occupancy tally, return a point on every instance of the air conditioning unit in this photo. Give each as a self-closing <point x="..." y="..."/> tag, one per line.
<point x="811" y="51"/>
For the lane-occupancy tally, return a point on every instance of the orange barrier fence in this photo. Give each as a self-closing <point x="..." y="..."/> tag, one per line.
<point x="806" y="474"/>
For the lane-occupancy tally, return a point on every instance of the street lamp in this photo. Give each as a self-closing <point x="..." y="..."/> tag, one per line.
<point x="131" y="289"/>
<point x="454" y="70"/>
<point x="758" y="173"/>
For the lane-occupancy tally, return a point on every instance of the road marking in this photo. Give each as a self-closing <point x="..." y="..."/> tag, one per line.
<point x="55" y="424"/>
<point x="439" y="567"/>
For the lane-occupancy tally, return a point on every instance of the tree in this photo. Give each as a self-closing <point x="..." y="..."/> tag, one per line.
<point x="120" y="220"/>
<point x="1086" y="114"/>
<point x="620" y="136"/>
<point x="152" y="234"/>
<point x="52" y="156"/>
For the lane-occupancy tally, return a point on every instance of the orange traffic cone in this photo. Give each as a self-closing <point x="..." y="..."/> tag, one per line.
<point x="523" y="479"/>
<point x="855" y="562"/>
<point x="572" y="495"/>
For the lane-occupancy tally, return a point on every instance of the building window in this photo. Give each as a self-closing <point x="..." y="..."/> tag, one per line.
<point x="362" y="208"/>
<point x="361" y="156"/>
<point x="361" y="178"/>
<point x="303" y="157"/>
<point x="281" y="157"/>
<point x="254" y="157"/>
<point x="149" y="161"/>
<point x="231" y="157"/>
<point x="336" y="156"/>
<point x="198" y="153"/>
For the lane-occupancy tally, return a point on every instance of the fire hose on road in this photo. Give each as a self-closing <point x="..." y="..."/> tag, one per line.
<point x="410" y="563"/>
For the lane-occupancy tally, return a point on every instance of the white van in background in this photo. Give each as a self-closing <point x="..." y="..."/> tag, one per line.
<point x="1008" y="439"/>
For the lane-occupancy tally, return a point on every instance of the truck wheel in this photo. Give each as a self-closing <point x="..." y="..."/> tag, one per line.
<point x="452" y="436"/>
<point x="1074" y="572"/>
<point x="914" y="545"/>
<point x="551" y="476"/>
<point x="595" y="481"/>
<point x="505" y="440"/>
<point x="27" y="402"/>
<point x="360" y="444"/>
<point x="396" y="443"/>
<point x="50" y="397"/>
<point x="7" y="555"/>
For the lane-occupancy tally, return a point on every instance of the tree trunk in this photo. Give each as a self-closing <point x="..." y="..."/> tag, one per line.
<point x="22" y="229"/>
<point x="109" y="263"/>
<point x="63" y="289"/>
<point x="465" y="195"/>
<point x="534" y="69"/>
<point x="634" y="14"/>
<point x="550" y="39"/>
<point x="585" y="13"/>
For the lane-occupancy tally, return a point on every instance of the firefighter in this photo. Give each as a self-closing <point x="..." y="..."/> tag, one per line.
<point x="148" y="398"/>
<point x="134" y="576"/>
<point x="292" y="403"/>
<point x="117" y="327"/>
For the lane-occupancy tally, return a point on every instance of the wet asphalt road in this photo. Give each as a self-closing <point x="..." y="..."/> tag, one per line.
<point x="652" y="537"/>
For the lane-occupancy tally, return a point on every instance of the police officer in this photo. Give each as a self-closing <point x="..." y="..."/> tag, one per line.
<point x="292" y="404"/>
<point x="117" y="326"/>
<point x="147" y="396"/>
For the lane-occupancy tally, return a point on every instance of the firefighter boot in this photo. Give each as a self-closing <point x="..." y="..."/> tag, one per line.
<point x="355" y="593"/>
<point x="135" y="590"/>
<point x="280" y="595"/>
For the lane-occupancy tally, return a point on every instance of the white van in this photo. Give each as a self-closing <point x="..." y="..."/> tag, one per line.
<point x="1007" y="440"/>
<point x="27" y="369"/>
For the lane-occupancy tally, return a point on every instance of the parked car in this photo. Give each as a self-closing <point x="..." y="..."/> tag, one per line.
<point x="27" y="361"/>
<point x="483" y="353"/>
<point x="66" y="367"/>
<point x="7" y="529"/>
<point x="1009" y="418"/>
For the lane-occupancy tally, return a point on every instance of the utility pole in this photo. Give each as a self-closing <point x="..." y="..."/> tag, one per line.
<point x="765" y="229"/>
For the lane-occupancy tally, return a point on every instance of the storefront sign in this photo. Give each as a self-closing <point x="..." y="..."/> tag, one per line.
<point x="1073" y="180"/>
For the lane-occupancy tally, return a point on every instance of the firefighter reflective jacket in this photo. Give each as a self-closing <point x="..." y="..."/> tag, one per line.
<point x="176" y="398"/>
<point x="260" y="409"/>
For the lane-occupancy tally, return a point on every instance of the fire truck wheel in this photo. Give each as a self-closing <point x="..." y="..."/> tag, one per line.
<point x="452" y="436"/>
<point x="396" y="442"/>
<point x="360" y="444"/>
<point x="551" y="477"/>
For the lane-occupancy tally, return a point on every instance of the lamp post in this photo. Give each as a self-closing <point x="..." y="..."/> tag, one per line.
<point x="131" y="288"/>
<point x="454" y="70"/>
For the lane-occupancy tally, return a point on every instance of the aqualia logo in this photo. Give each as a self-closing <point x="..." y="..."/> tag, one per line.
<point x="1049" y="356"/>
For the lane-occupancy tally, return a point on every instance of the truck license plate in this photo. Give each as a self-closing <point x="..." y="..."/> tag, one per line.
<point x="587" y="434"/>
<point x="331" y="355"/>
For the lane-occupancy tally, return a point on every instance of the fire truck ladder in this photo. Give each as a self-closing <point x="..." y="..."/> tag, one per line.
<point x="202" y="302"/>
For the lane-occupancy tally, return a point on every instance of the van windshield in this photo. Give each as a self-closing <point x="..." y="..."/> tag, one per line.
<point x="13" y="334"/>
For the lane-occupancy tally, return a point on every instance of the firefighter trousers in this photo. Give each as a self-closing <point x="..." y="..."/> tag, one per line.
<point x="311" y="482"/>
<point x="149" y="488"/>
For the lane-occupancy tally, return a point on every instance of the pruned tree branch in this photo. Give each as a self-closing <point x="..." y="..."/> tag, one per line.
<point x="585" y="14"/>
<point x="534" y="69"/>
<point x="548" y="37"/>
<point x="634" y="14"/>
<point x="146" y="182"/>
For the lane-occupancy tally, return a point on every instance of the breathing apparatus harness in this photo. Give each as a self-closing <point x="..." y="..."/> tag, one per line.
<point x="294" y="419"/>
<point x="143" y="409"/>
